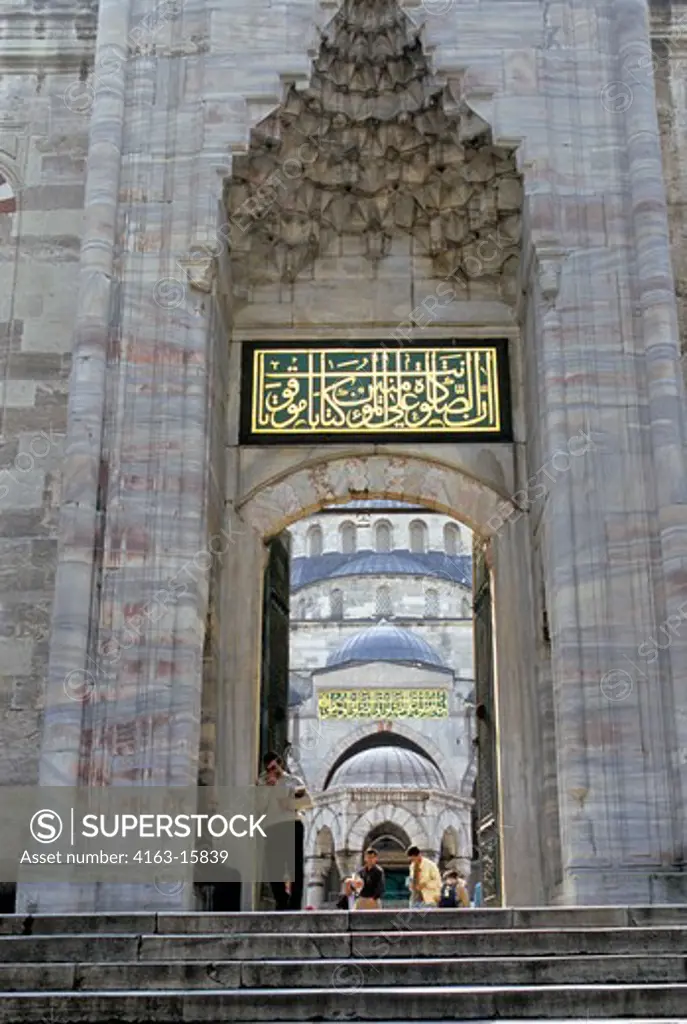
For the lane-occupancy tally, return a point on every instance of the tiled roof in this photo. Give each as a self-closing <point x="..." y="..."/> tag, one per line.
<point x="334" y="565"/>
<point x="385" y="642"/>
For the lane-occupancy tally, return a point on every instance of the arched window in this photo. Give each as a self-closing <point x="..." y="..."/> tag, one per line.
<point x="336" y="604"/>
<point x="348" y="538"/>
<point x="314" y="541"/>
<point x="431" y="604"/>
<point x="383" y="537"/>
<point x="383" y="607"/>
<point x="418" y="537"/>
<point x="466" y="608"/>
<point x="453" y="542"/>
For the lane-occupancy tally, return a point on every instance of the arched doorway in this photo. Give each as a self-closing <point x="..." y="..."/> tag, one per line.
<point x="391" y="842"/>
<point x="463" y="488"/>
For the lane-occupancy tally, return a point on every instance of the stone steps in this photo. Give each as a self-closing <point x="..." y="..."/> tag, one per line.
<point x="553" y="964"/>
<point x="95" y="947"/>
<point x="171" y="975"/>
<point x="343" y="921"/>
<point x="620" y="1002"/>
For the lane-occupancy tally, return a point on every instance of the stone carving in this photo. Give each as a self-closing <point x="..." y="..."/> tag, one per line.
<point x="549" y="264"/>
<point x="368" y="150"/>
<point x="200" y="266"/>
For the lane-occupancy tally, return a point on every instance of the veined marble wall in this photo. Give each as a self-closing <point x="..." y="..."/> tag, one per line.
<point x="588" y="537"/>
<point x="45" y="107"/>
<point x="666" y="62"/>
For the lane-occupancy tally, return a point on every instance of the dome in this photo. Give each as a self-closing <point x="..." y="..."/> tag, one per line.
<point x="453" y="569"/>
<point x="375" y="504"/>
<point x="390" y="767"/>
<point x="306" y="570"/>
<point x="385" y="642"/>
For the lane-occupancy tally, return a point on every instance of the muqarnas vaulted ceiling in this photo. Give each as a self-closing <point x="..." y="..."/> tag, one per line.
<point x="368" y="150"/>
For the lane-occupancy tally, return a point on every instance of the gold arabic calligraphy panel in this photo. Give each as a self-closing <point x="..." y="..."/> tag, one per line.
<point x="386" y="704"/>
<point x="373" y="390"/>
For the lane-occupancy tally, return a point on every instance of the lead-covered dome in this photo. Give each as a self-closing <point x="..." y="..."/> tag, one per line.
<point x="388" y="767"/>
<point x="385" y="642"/>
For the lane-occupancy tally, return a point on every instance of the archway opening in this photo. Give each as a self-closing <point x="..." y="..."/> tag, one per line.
<point x="373" y="712"/>
<point x="377" y="739"/>
<point x="391" y="842"/>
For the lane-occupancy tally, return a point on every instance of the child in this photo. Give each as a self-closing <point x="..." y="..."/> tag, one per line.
<point x="351" y="888"/>
<point x="453" y="891"/>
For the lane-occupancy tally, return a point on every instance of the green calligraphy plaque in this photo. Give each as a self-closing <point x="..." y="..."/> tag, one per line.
<point x="382" y="704"/>
<point x="375" y="391"/>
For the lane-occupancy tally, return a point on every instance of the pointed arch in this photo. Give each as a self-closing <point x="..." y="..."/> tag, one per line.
<point x="422" y="743"/>
<point x="389" y="811"/>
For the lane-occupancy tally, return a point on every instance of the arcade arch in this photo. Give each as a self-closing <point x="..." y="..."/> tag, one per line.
<point x="391" y="843"/>
<point x="390" y="814"/>
<point x="367" y="736"/>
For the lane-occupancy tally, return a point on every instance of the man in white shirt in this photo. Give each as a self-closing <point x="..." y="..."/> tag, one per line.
<point x="288" y="829"/>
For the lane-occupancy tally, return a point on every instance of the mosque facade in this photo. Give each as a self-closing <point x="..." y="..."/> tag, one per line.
<point x="381" y="689"/>
<point x="188" y="188"/>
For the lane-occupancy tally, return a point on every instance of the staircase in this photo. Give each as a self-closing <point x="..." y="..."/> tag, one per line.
<point x="598" y="963"/>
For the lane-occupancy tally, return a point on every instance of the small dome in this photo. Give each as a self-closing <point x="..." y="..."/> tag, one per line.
<point x="385" y="642"/>
<point x="389" y="767"/>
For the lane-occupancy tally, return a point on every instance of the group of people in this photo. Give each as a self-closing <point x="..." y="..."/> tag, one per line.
<point x="362" y="891"/>
<point x="365" y="890"/>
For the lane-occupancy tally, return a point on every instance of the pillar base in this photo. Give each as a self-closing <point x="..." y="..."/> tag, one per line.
<point x="623" y="887"/>
<point x="94" y="898"/>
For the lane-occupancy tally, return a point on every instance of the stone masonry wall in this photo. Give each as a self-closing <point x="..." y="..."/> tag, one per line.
<point x="43" y="140"/>
<point x="596" y="271"/>
<point x="668" y="61"/>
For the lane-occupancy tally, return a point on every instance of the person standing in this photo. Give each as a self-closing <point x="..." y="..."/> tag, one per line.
<point x="293" y="800"/>
<point x="347" y="899"/>
<point x="374" y="883"/>
<point x="424" y="880"/>
<point x="453" y="891"/>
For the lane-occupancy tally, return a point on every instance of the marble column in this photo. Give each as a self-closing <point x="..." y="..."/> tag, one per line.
<point x="658" y="322"/>
<point x="347" y="862"/>
<point x="316" y="870"/>
<point x="74" y="682"/>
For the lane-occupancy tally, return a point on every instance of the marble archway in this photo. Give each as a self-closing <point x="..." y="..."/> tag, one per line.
<point x="332" y="477"/>
<point x="273" y="492"/>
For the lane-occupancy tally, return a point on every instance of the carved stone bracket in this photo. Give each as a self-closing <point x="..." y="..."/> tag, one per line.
<point x="200" y="266"/>
<point x="548" y="268"/>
